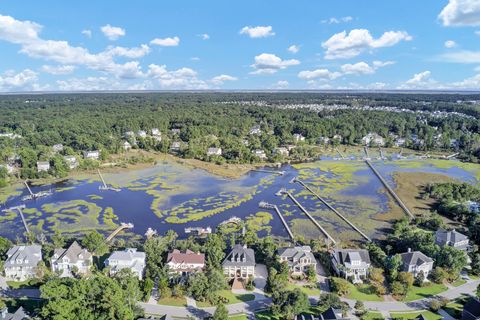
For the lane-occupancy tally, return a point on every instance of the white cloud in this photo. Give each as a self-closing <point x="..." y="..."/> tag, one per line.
<point x="137" y="52"/>
<point x="112" y="33"/>
<point x="343" y="45"/>
<point x="166" y="42"/>
<point x="204" y="36"/>
<point x="183" y="78"/>
<point x="87" y="33"/>
<point x="16" y="31"/>
<point x="293" y="48"/>
<point x="464" y="56"/>
<point x="334" y="20"/>
<point x="195" y="58"/>
<point x="58" y="70"/>
<point x="267" y="63"/>
<point x="358" y="68"/>
<point x="421" y="80"/>
<point x="281" y="84"/>
<point x="461" y="13"/>
<point x="219" y="80"/>
<point x="477" y="32"/>
<point x="469" y="83"/>
<point x="450" y="44"/>
<point x="258" y="32"/>
<point x="25" y="80"/>
<point x="419" y="77"/>
<point x="324" y="74"/>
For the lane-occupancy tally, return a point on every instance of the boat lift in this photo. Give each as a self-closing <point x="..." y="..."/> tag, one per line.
<point x="105" y="186"/>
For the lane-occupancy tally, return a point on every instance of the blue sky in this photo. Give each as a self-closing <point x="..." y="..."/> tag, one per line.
<point x="116" y="45"/>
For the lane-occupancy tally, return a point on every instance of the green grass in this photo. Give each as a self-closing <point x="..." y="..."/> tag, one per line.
<point x="23" y="284"/>
<point x="473" y="276"/>
<point x="306" y="290"/>
<point x="173" y="301"/>
<point x="430" y="289"/>
<point x="459" y="282"/>
<point x="371" y="315"/>
<point x="267" y="315"/>
<point x="232" y="298"/>
<point x="363" y="292"/>
<point x="454" y="309"/>
<point x="238" y="317"/>
<point x="412" y="315"/>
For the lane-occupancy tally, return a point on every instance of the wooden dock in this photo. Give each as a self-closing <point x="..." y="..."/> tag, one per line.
<point x="19" y="209"/>
<point x="325" y="233"/>
<point x="123" y="226"/>
<point x="333" y="209"/>
<point x="266" y="205"/>
<point x="390" y="190"/>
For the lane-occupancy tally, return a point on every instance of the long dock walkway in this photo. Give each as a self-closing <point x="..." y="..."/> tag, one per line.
<point x="390" y="190"/>
<point x="303" y="184"/>
<point x="325" y="233"/>
<point x="122" y="227"/>
<point x="266" y="205"/>
<point x="19" y="209"/>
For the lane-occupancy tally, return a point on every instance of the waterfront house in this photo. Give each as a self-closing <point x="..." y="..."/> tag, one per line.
<point x="185" y="263"/>
<point x="260" y="154"/>
<point x="281" y="151"/>
<point x="416" y="262"/>
<point x="43" y="166"/>
<point x="129" y="258"/>
<point x="471" y="309"/>
<point x="93" y="155"/>
<point x="239" y="263"/>
<point x="337" y="137"/>
<point x="298" y="137"/>
<point x="298" y="259"/>
<point x="126" y="146"/>
<point x="214" y="152"/>
<point x="129" y="134"/>
<point x="175" y="131"/>
<point x="74" y="259"/>
<point x="156" y="132"/>
<point x="22" y="262"/>
<point x="451" y="238"/>
<point x="142" y="133"/>
<point x="351" y="263"/>
<point x="57" y="147"/>
<point x="19" y="314"/>
<point x="373" y="138"/>
<point x="71" y="161"/>
<point x="175" y="146"/>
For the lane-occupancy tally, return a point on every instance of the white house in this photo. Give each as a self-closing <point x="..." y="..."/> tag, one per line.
<point x="43" y="166"/>
<point x="175" y="146"/>
<point x="126" y="146"/>
<point x="74" y="258"/>
<point x="416" y="262"/>
<point x="57" y="147"/>
<point x="351" y="263"/>
<point x="281" y="151"/>
<point x="129" y="258"/>
<point x="93" y="155"/>
<point x="175" y="131"/>
<point x="299" y="259"/>
<point x="214" y="152"/>
<point x="255" y="130"/>
<point x="71" y="161"/>
<point x="240" y="263"/>
<point x="373" y="138"/>
<point x="156" y="132"/>
<point x="260" y="153"/>
<point x="142" y="133"/>
<point x="298" y="137"/>
<point x="185" y="263"/>
<point x="22" y="262"/>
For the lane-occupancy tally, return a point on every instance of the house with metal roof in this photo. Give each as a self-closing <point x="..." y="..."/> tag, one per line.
<point x="129" y="258"/>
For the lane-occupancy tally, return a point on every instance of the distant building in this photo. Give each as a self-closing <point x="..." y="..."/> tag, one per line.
<point x="175" y="131"/>
<point x="471" y="309"/>
<point x="65" y="261"/>
<point x="129" y="134"/>
<point x="127" y="259"/>
<point x="214" y="152"/>
<point x="175" y="146"/>
<point x="126" y="146"/>
<point x="71" y="161"/>
<point x="298" y="259"/>
<point x="156" y="132"/>
<point x="337" y="137"/>
<point x="22" y="262"/>
<point x="239" y="263"/>
<point x="323" y="140"/>
<point x="19" y="314"/>
<point x="351" y="263"/>
<point x="185" y="263"/>
<point x="10" y="135"/>
<point x="373" y="139"/>
<point x="400" y="142"/>
<point x="57" y="147"/>
<point x="142" y="134"/>
<point x="260" y="153"/>
<point x="298" y="137"/>
<point x="451" y="238"/>
<point x="43" y="166"/>
<point x="93" y="155"/>
<point x="415" y="262"/>
<point x="281" y="151"/>
<point x="255" y="130"/>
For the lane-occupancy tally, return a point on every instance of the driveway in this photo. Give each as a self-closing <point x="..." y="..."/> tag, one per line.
<point x="261" y="275"/>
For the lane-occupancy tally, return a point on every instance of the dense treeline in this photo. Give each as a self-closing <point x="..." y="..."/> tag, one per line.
<point x="99" y="122"/>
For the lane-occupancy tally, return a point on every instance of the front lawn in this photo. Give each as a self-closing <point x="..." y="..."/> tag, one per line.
<point x="371" y="315"/>
<point x="363" y="292"/>
<point x="230" y="296"/>
<point x="267" y="315"/>
<point x="430" y="289"/>
<point x="308" y="291"/>
<point x="412" y="315"/>
<point x="23" y="284"/>
<point x="459" y="282"/>
<point x="238" y="317"/>
<point x="173" y="301"/>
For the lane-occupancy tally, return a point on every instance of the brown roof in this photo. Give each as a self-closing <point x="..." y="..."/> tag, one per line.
<point x="186" y="257"/>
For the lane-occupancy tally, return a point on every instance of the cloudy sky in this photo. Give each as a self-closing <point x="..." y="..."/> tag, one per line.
<point x="247" y="44"/>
